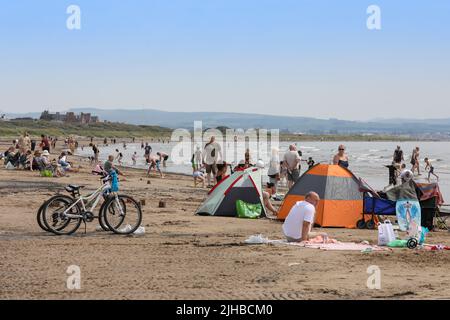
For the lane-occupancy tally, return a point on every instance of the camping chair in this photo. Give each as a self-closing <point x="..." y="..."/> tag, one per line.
<point x="441" y="216"/>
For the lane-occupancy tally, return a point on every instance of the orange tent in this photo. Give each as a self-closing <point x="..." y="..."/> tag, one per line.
<point x="341" y="203"/>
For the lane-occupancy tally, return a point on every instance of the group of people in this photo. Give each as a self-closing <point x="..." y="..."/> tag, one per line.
<point x="23" y="154"/>
<point x="399" y="167"/>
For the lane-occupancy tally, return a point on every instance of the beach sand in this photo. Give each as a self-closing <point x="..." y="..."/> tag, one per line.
<point x="183" y="256"/>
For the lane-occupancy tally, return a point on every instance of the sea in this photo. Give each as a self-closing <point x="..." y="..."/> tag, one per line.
<point x="367" y="159"/>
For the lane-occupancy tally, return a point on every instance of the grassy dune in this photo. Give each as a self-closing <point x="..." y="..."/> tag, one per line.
<point x="104" y="129"/>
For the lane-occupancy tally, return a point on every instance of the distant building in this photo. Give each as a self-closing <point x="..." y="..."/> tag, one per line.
<point x="69" y="117"/>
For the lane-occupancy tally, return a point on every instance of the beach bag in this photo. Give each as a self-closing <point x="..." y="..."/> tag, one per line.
<point x="385" y="233"/>
<point x="248" y="210"/>
<point x="46" y="173"/>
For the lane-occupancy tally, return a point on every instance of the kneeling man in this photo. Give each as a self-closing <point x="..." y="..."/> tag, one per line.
<point x="298" y="224"/>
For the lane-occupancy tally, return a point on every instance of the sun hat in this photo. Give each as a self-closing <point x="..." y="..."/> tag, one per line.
<point x="45" y="153"/>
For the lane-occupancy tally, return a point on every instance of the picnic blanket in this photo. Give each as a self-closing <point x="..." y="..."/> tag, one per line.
<point x="318" y="243"/>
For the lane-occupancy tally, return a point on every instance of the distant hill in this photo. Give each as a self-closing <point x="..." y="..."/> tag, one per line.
<point x="284" y="123"/>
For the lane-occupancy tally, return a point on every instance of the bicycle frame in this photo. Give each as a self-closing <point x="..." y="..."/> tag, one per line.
<point x="97" y="195"/>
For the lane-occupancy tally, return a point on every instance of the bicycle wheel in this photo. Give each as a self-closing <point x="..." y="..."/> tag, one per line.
<point x="111" y="209"/>
<point x="54" y="218"/>
<point x="123" y="214"/>
<point x="101" y="216"/>
<point x="39" y="216"/>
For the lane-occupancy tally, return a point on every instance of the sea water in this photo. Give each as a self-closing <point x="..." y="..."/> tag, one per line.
<point x="367" y="159"/>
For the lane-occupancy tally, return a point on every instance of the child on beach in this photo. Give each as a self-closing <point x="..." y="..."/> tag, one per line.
<point x="430" y="168"/>
<point x="199" y="177"/>
<point x="134" y="158"/>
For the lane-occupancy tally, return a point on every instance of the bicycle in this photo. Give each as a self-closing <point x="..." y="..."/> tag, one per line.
<point x="63" y="215"/>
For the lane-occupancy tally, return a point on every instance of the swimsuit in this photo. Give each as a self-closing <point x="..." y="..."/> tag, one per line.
<point x="343" y="163"/>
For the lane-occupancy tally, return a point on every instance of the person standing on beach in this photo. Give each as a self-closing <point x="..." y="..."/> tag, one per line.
<point x="248" y="159"/>
<point x="45" y="145"/>
<point x="415" y="160"/>
<point x="24" y="143"/>
<point x="96" y="152"/>
<point x="198" y="158"/>
<point x="341" y="157"/>
<point x="134" y="158"/>
<point x="397" y="160"/>
<point x="430" y="168"/>
<point x="147" y="152"/>
<point x="119" y="156"/>
<point x="274" y="170"/>
<point x="211" y="155"/>
<point x="291" y="162"/>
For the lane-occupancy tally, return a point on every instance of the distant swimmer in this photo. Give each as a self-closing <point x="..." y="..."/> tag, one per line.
<point x="430" y="168"/>
<point x="341" y="157"/>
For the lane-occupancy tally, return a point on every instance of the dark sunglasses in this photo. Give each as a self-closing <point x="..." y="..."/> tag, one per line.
<point x="341" y="149"/>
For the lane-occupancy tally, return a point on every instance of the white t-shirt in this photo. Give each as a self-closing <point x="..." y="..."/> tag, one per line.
<point x="300" y="212"/>
<point x="292" y="159"/>
<point x="211" y="153"/>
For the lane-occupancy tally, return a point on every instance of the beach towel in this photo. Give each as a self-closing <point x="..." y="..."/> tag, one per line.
<point x="317" y="243"/>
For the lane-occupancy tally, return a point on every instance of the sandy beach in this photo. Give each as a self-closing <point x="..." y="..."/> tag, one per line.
<point x="183" y="256"/>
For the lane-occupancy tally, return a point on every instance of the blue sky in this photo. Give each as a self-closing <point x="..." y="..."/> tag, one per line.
<point x="297" y="57"/>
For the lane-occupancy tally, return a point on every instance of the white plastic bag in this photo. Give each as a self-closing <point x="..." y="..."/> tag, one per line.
<point x="256" y="239"/>
<point x="385" y="233"/>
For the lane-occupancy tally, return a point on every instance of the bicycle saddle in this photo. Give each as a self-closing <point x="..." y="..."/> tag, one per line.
<point x="71" y="188"/>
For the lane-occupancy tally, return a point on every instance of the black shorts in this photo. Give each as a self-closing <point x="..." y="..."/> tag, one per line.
<point x="165" y="158"/>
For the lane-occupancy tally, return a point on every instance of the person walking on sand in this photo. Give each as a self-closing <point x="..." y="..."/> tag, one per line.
<point x="134" y="158"/>
<point x="291" y="162"/>
<point x="300" y="220"/>
<point x="430" y="168"/>
<point x="341" y="157"/>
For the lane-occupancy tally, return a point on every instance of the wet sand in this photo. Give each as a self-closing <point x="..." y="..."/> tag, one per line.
<point x="183" y="256"/>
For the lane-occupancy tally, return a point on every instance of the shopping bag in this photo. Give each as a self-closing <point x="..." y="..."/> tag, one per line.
<point x="385" y="233"/>
<point x="248" y="210"/>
